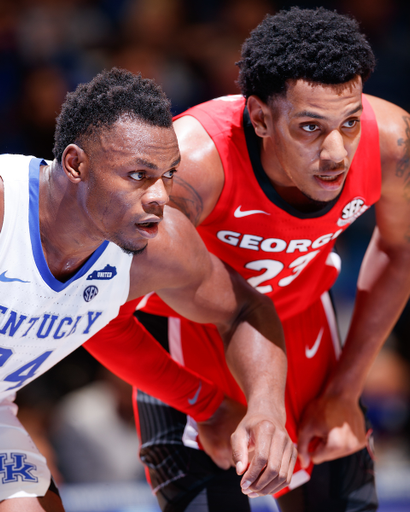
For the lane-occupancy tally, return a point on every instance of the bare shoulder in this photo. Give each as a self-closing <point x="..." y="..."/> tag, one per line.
<point x="193" y="138"/>
<point x="394" y="130"/>
<point x="175" y="258"/>
<point x="393" y="207"/>
<point x="200" y="177"/>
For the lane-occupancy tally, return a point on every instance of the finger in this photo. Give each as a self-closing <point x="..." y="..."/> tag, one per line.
<point x="284" y="481"/>
<point x="263" y="435"/>
<point x="240" y="442"/>
<point x="323" y="452"/>
<point x="273" y="480"/>
<point x="277" y="462"/>
<point x="304" y="439"/>
<point x="340" y="443"/>
<point x="335" y="445"/>
<point x="294" y="458"/>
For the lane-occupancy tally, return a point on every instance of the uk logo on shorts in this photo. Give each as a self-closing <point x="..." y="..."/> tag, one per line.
<point x="89" y="293"/>
<point x="16" y="468"/>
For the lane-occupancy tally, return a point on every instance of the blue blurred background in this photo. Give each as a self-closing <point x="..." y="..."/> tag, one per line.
<point x="80" y="415"/>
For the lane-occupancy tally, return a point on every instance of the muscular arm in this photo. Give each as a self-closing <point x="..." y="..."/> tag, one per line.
<point x="382" y="291"/>
<point x="200" y="287"/>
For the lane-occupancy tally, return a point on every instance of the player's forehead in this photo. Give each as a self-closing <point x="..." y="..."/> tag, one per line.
<point x="305" y="98"/>
<point x="138" y="141"/>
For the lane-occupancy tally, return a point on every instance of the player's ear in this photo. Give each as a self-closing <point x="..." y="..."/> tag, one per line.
<point x="258" y="113"/>
<point x="74" y="163"/>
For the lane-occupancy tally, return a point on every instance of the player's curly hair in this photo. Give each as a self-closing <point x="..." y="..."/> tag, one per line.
<point x="315" y="44"/>
<point x="99" y="103"/>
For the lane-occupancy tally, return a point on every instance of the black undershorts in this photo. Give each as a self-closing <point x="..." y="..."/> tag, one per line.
<point x="53" y="488"/>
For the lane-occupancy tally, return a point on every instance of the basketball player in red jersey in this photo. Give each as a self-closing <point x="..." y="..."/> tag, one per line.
<point x="271" y="179"/>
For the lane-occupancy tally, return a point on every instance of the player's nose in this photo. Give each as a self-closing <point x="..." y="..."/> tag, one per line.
<point x="157" y="193"/>
<point x="333" y="147"/>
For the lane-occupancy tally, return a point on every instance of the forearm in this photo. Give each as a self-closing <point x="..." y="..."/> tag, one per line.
<point x="129" y="351"/>
<point x="383" y="290"/>
<point x="256" y="356"/>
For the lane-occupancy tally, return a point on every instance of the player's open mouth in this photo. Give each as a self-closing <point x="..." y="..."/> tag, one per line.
<point x="148" y="229"/>
<point x="330" y="181"/>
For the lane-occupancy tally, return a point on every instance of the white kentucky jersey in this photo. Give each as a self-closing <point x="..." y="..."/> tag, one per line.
<point x="42" y="319"/>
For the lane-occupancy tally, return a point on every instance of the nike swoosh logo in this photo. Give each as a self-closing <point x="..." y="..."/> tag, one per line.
<point x="193" y="400"/>
<point x="311" y="352"/>
<point x="238" y="213"/>
<point x="6" y="279"/>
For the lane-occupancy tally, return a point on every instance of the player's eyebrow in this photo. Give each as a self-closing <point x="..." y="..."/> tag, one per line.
<point x="306" y="113"/>
<point x="314" y="115"/>
<point x="151" y="165"/>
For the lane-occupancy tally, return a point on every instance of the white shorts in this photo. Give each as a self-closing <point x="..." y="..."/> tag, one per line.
<point x="23" y="470"/>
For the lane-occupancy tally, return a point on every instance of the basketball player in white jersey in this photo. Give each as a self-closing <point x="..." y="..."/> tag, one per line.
<point x="81" y="235"/>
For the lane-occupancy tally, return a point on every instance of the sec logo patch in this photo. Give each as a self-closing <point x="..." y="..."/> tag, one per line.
<point x="89" y="293"/>
<point x="352" y="211"/>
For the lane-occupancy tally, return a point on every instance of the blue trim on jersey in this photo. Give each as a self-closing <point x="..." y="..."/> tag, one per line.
<point x="34" y="224"/>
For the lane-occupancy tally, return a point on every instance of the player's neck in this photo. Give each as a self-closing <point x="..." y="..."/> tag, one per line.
<point x="66" y="241"/>
<point x="302" y="203"/>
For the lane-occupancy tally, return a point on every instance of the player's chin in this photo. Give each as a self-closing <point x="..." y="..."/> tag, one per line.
<point x="130" y="245"/>
<point x="135" y="251"/>
<point x="322" y="197"/>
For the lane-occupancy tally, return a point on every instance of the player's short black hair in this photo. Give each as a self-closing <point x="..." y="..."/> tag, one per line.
<point x="314" y="44"/>
<point x="99" y="103"/>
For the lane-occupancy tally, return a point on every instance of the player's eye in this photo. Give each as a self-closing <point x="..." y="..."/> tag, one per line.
<point x="169" y="174"/>
<point x="351" y="123"/>
<point x="138" y="175"/>
<point x="310" y="128"/>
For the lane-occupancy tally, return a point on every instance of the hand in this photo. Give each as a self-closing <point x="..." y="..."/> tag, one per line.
<point x="331" y="427"/>
<point x="264" y="453"/>
<point x="215" y="433"/>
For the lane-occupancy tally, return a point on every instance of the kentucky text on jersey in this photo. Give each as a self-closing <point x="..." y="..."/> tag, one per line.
<point x="46" y="325"/>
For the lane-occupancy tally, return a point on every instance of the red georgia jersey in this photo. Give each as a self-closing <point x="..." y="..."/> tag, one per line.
<point x="282" y="252"/>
